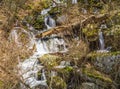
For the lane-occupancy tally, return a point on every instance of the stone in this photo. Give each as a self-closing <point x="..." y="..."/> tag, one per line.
<point x="88" y="85"/>
<point x="62" y="19"/>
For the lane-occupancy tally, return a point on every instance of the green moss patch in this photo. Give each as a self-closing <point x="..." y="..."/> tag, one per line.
<point x="50" y="60"/>
<point x="91" y="72"/>
<point x="58" y="83"/>
<point x="94" y="55"/>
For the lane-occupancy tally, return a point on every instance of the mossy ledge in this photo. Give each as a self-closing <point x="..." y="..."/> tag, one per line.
<point x="92" y="72"/>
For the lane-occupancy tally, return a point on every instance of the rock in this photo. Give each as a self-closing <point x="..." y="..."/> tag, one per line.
<point x="62" y="19"/>
<point x="105" y="61"/>
<point x="88" y="85"/>
<point x="41" y="87"/>
<point x="94" y="74"/>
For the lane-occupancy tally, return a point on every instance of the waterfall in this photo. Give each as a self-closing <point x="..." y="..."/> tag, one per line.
<point x="31" y="66"/>
<point x="74" y="1"/>
<point x="101" y="40"/>
<point x="49" y="22"/>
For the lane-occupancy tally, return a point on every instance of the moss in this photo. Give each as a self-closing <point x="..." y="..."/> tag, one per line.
<point x="55" y="10"/>
<point x="50" y="60"/>
<point x="94" y="55"/>
<point x="91" y="72"/>
<point x="91" y="32"/>
<point x="39" y="22"/>
<point x="45" y="3"/>
<point x="58" y="83"/>
<point x="65" y="72"/>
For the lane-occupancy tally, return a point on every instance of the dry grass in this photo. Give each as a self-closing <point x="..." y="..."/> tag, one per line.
<point x="10" y="54"/>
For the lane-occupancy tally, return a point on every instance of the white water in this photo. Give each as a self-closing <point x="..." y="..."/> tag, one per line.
<point x="49" y="22"/>
<point x="31" y="66"/>
<point x="74" y="1"/>
<point x="101" y="42"/>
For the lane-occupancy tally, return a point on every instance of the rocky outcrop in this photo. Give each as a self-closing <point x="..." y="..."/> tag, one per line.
<point x="105" y="61"/>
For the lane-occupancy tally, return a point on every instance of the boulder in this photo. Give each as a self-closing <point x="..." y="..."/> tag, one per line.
<point x="89" y="85"/>
<point x="105" y="61"/>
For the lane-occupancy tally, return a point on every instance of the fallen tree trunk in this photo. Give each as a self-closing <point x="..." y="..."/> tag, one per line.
<point x="77" y="24"/>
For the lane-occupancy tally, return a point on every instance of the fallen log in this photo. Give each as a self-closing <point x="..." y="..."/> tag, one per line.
<point x="77" y="24"/>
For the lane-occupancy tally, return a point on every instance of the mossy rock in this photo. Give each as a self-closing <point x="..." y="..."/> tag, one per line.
<point x="39" y="22"/>
<point x="65" y="72"/>
<point x="93" y="73"/>
<point x="50" y="60"/>
<point x="58" y="83"/>
<point x="91" y="32"/>
<point x="94" y="55"/>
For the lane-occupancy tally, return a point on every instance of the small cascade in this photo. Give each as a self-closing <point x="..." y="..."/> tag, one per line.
<point x="101" y="40"/>
<point x="31" y="66"/>
<point x="74" y="1"/>
<point x="49" y="22"/>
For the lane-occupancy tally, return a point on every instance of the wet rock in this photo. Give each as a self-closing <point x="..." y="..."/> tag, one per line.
<point x="62" y="20"/>
<point x="88" y="85"/>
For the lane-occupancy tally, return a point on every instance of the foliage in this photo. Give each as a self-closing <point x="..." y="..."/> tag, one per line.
<point x="9" y="58"/>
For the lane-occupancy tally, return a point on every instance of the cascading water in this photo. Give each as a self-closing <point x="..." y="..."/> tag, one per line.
<point x="101" y="40"/>
<point x="74" y="1"/>
<point x="49" y="22"/>
<point x="31" y="66"/>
